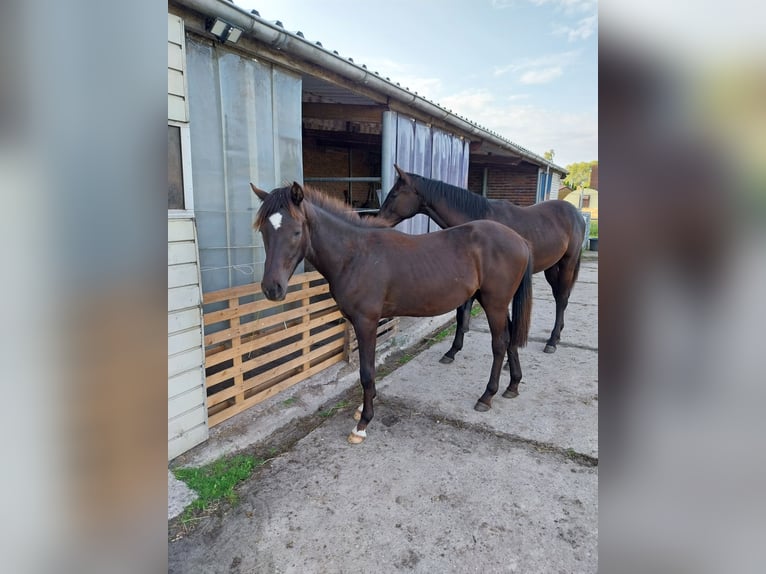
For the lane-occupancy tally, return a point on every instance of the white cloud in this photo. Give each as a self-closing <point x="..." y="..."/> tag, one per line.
<point x="573" y="136"/>
<point x="584" y="28"/>
<point x="542" y="76"/>
<point x="540" y="70"/>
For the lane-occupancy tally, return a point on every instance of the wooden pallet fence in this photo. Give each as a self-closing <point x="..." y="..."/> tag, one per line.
<point x="387" y="328"/>
<point x="255" y="348"/>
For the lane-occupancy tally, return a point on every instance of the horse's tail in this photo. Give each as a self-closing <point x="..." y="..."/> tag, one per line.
<point x="576" y="271"/>
<point x="522" y="308"/>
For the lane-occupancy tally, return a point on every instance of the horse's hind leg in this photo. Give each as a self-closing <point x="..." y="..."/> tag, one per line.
<point x="561" y="278"/>
<point x="515" y="367"/>
<point x="462" y="316"/>
<point x="501" y="337"/>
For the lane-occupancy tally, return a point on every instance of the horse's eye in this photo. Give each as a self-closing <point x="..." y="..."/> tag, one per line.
<point x="296" y="234"/>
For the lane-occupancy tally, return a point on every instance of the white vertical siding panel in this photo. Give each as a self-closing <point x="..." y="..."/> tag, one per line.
<point x="184" y="341"/>
<point x="183" y="297"/>
<point x="192" y="437"/>
<point x="182" y="252"/>
<point x="185" y="361"/>
<point x="177" y="108"/>
<point x="187" y="403"/>
<point x="182" y="320"/>
<point x="183" y="382"/>
<point x="177" y="426"/>
<point x="175" y="57"/>
<point x="180" y="230"/>
<point x="181" y="275"/>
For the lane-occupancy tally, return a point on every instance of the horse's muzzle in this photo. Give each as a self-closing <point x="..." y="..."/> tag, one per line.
<point x="275" y="292"/>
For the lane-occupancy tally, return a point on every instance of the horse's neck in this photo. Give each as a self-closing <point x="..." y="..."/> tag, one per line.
<point x="438" y="209"/>
<point x="326" y="232"/>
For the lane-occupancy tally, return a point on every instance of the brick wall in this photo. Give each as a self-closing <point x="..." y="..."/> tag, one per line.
<point x="334" y="162"/>
<point x="515" y="183"/>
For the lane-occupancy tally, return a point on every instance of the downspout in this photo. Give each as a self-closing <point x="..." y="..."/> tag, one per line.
<point x="484" y="182"/>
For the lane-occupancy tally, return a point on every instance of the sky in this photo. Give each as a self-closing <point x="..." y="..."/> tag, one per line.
<point x="526" y="69"/>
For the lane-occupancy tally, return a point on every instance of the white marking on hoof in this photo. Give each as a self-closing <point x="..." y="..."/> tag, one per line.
<point x="358" y="413"/>
<point x="276" y="220"/>
<point x="357" y="436"/>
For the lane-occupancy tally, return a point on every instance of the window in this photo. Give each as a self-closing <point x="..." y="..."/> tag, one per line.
<point x="175" y="169"/>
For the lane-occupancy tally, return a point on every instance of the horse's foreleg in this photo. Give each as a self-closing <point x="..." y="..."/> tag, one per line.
<point x="365" y="335"/>
<point x="462" y="317"/>
<point x="501" y="338"/>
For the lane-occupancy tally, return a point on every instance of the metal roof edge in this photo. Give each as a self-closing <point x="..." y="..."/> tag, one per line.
<point x="295" y="44"/>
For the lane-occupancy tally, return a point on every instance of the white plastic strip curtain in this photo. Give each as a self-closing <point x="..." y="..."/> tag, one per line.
<point x="245" y="125"/>
<point x="426" y="151"/>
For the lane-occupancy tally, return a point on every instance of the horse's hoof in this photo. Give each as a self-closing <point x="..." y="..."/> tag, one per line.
<point x="481" y="407"/>
<point x="357" y="416"/>
<point x="355" y="439"/>
<point x="549" y="349"/>
<point x="509" y="394"/>
<point x="445" y="360"/>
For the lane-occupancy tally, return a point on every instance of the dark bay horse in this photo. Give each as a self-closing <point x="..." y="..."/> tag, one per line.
<point x="374" y="272"/>
<point x="554" y="229"/>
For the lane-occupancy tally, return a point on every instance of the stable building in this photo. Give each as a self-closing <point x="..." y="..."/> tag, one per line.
<point x="249" y="101"/>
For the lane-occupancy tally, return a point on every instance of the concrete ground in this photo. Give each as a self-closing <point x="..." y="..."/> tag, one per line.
<point x="437" y="486"/>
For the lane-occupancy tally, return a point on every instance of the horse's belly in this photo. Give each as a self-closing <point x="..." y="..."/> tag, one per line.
<point x="426" y="303"/>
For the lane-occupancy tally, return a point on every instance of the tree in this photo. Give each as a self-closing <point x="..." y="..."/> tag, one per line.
<point x="549" y="155"/>
<point x="579" y="174"/>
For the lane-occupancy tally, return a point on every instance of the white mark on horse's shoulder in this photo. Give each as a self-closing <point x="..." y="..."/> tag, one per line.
<point x="276" y="220"/>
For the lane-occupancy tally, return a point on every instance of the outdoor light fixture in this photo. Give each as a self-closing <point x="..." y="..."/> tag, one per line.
<point x="234" y="34"/>
<point x="223" y="30"/>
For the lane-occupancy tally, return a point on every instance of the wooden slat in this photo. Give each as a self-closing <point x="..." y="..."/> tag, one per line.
<point x="263" y="304"/>
<point x="252" y="288"/>
<point x="282" y="370"/>
<point x="266" y="340"/>
<point x="269" y="321"/>
<point x="235" y="342"/>
<point x="221" y="416"/>
<point x="221" y="376"/>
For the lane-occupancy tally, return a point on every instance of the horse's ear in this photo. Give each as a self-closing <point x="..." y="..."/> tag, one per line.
<point x="402" y="174"/>
<point x="296" y="193"/>
<point x="262" y="195"/>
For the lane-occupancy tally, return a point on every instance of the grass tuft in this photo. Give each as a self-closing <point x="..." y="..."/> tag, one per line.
<point x="332" y="410"/>
<point x="216" y="481"/>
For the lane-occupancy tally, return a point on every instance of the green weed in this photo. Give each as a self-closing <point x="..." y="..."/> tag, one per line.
<point x="332" y="410"/>
<point x="216" y="481"/>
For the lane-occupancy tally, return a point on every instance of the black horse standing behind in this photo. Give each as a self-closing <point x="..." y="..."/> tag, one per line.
<point x="554" y="229"/>
<point x="375" y="272"/>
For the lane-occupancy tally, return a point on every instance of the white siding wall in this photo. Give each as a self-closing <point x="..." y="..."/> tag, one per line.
<point x="177" y="106"/>
<point x="553" y="193"/>
<point x="187" y="412"/>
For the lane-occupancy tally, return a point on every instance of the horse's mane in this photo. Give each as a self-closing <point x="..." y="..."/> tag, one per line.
<point x="471" y="204"/>
<point x="280" y="199"/>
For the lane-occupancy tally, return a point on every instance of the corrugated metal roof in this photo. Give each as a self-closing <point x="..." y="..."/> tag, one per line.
<point x="295" y="43"/>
